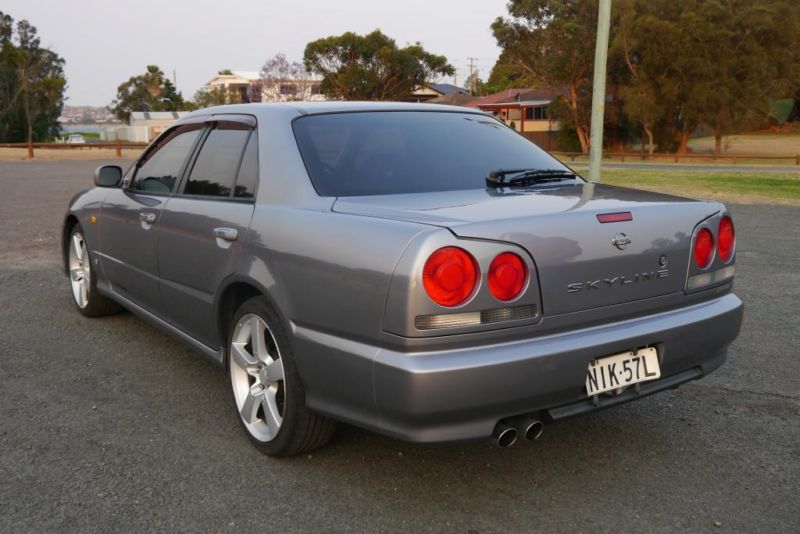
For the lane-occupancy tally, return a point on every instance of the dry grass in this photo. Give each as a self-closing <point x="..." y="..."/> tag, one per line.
<point x="767" y="144"/>
<point x="737" y="187"/>
<point x="83" y="153"/>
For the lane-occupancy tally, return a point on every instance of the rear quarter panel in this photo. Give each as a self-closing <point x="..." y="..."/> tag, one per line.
<point x="328" y="274"/>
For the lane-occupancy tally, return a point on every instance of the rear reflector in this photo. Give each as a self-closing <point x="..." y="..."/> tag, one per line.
<point x="706" y="279"/>
<point x="621" y="216"/>
<point x="456" y="320"/>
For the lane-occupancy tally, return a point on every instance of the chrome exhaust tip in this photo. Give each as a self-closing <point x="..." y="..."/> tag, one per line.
<point x="533" y="429"/>
<point x="504" y="435"/>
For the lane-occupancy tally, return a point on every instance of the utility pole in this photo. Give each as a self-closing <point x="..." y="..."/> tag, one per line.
<point x="599" y="90"/>
<point x="471" y="79"/>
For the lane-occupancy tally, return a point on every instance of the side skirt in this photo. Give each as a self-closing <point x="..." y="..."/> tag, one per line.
<point x="216" y="356"/>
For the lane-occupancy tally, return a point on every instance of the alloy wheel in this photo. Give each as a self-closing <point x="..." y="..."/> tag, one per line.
<point x="257" y="377"/>
<point x="80" y="273"/>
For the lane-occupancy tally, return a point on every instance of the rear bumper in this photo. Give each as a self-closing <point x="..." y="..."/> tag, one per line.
<point x="461" y="394"/>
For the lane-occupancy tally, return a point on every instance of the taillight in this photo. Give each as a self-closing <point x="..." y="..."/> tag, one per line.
<point x="703" y="248"/>
<point x="450" y="276"/>
<point x="725" y="238"/>
<point x="507" y="276"/>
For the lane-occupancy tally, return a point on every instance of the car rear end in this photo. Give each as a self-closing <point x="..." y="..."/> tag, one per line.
<point x="449" y="372"/>
<point x="521" y="305"/>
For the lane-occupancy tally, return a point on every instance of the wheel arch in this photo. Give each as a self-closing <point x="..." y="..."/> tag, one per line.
<point x="232" y="294"/>
<point x="69" y="223"/>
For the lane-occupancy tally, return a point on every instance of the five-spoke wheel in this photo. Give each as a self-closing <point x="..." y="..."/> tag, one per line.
<point x="83" y="279"/>
<point x="257" y="377"/>
<point x="80" y="269"/>
<point x="267" y="392"/>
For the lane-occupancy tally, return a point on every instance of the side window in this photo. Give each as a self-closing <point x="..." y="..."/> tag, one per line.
<point x="161" y="171"/>
<point x="215" y="169"/>
<point x="248" y="171"/>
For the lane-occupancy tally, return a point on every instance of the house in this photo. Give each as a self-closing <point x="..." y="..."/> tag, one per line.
<point x="143" y="127"/>
<point x="525" y="110"/>
<point x="147" y="125"/>
<point x="248" y="86"/>
<point x="430" y="91"/>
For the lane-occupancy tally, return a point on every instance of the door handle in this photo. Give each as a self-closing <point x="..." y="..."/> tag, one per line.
<point x="147" y="217"/>
<point x="226" y="234"/>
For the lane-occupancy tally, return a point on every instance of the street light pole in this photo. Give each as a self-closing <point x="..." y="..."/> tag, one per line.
<point x="599" y="90"/>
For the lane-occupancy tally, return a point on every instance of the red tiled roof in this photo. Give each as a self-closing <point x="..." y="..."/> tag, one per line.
<point x="515" y="95"/>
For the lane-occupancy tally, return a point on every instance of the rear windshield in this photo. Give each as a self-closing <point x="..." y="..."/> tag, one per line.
<point x="394" y="152"/>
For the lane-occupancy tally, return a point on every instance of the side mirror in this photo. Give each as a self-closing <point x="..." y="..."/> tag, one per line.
<point x="107" y="176"/>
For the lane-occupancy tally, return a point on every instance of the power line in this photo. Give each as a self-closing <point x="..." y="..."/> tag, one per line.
<point x="472" y="78"/>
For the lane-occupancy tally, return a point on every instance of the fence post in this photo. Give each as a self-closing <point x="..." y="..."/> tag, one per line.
<point x="30" y="149"/>
<point x="119" y="149"/>
<point x="797" y="159"/>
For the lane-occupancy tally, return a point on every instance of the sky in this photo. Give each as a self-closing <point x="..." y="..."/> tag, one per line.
<point x="104" y="42"/>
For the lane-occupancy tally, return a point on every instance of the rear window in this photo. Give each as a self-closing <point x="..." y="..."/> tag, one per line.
<point x="395" y="152"/>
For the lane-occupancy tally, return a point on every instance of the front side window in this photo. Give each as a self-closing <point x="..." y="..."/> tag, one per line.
<point x="395" y="152"/>
<point x="216" y="167"/>
<point x="160" y="172"/>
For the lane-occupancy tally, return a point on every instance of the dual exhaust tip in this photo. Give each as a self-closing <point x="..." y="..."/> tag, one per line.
<point x="506" y="432"/>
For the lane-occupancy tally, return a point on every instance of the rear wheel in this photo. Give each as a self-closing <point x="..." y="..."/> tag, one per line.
<point x="83" y="280"/>
<point x="266" y="388"/>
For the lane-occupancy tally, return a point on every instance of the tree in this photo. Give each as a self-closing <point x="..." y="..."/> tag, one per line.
<point x="507" y="74"/>
<point x="371" y="67"/>
<point x="278" y="70"/>
<point x="206" y="97"/>
<point x="552" y="42"/>
<point x="32" y="84"/>
<point x="707" y="62"/>
<point x="150" y="91"/>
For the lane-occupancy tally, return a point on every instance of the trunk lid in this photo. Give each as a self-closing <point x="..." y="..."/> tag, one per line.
<point x="579" y="266"/>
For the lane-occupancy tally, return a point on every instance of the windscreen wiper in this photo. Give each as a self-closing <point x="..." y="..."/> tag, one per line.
<point x="497" y="177"/>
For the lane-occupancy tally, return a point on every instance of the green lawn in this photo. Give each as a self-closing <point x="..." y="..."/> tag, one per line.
<point x="741" y="187"/>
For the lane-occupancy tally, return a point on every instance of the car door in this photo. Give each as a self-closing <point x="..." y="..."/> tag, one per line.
<point x="202" y="228"/>
<point x="130" y="216"/>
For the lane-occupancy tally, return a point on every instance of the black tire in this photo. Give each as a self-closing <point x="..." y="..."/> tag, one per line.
<point x="301" y="430"/>
<point x="97" y="305"/>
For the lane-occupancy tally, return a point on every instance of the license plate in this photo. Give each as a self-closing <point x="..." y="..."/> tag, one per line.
<point x="622" y="370"/>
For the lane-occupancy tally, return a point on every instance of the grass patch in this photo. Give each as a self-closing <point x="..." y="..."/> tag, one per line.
<point x="740" y="187"/>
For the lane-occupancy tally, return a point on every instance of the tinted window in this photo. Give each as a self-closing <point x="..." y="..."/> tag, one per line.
<point x="215" y="168"/>
<point x="161" y="171"/>
<point x="248" y="171"/>
<point x="377" y="153"/>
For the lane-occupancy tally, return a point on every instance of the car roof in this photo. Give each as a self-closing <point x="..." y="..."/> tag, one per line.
<point x="335" y="106"/>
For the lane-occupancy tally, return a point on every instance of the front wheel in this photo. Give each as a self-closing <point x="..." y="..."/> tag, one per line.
<point x="83" y="280"/>
<point x="266" y="388"/>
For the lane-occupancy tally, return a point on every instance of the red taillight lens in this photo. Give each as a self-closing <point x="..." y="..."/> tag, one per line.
<point x="725" y="238"/>
<point x="507" y="276"/>
<point x="450" y="275"/>
<point x="703" y="248"/>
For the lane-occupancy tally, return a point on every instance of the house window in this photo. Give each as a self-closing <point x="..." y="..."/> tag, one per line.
<point x="288" y="89"/>
<point x="536" y="114"/>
